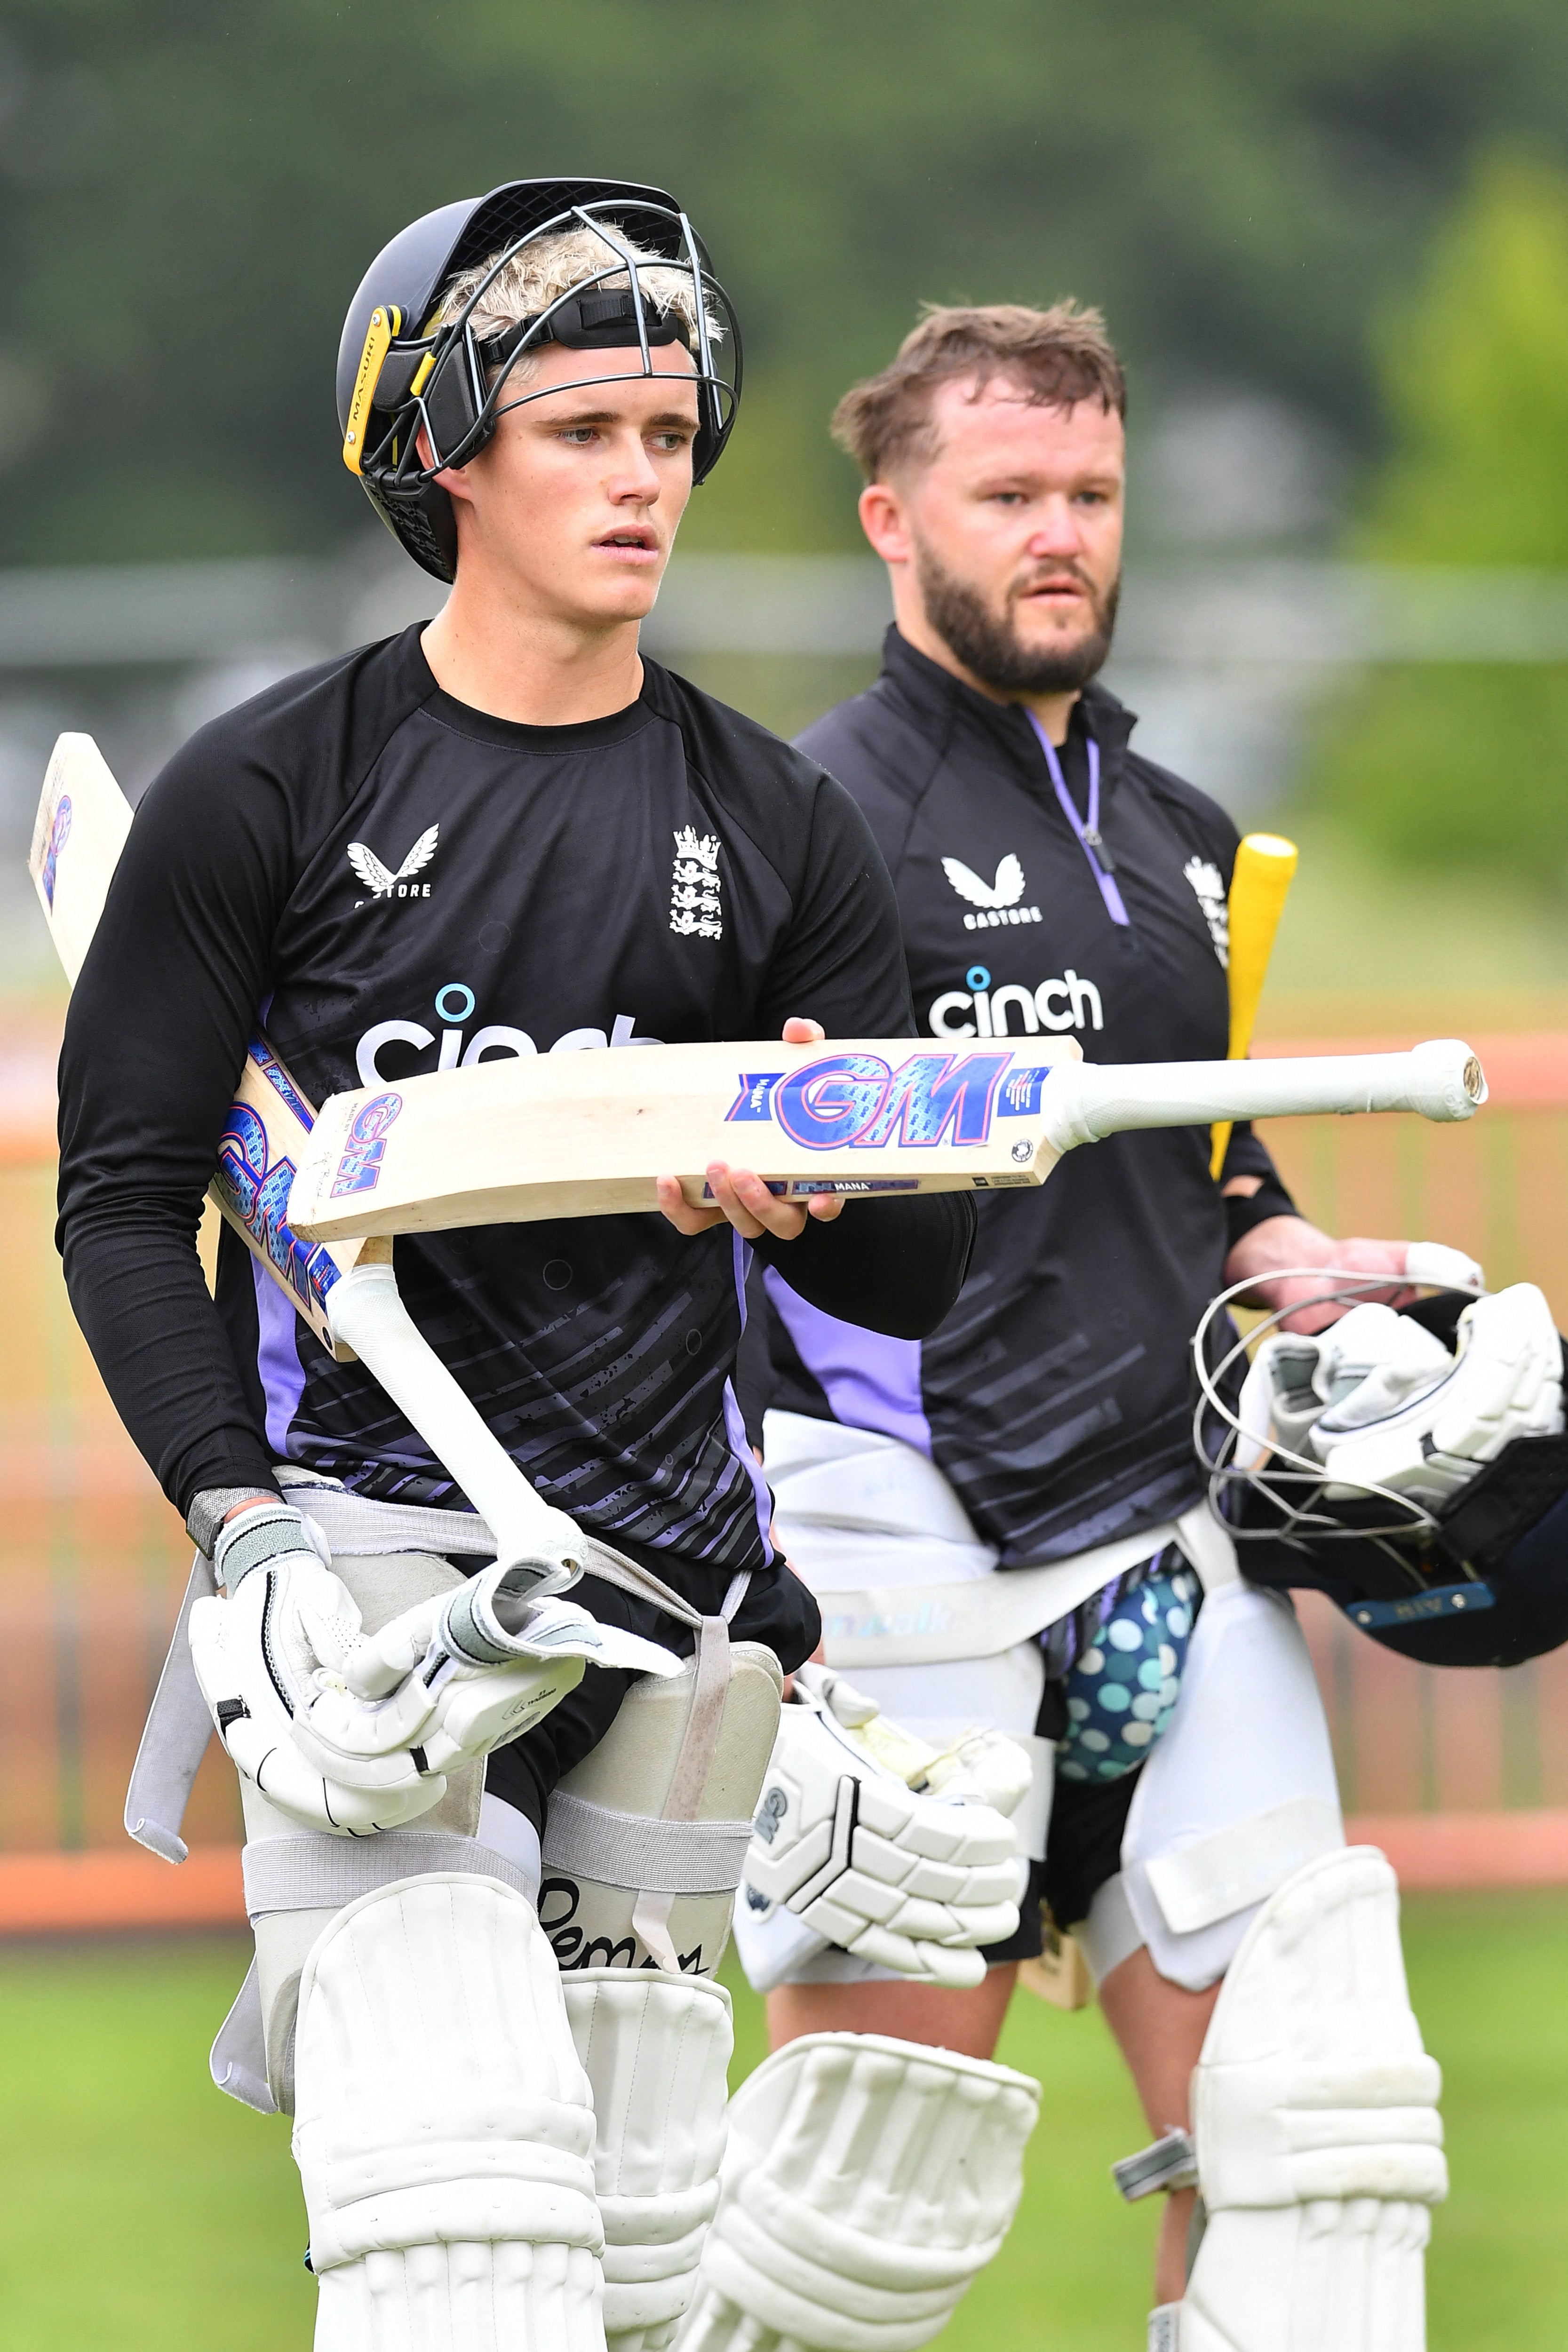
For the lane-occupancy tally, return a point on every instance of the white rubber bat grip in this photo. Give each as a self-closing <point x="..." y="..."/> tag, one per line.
<point x="368" y="1316"/>
<point x="1083" y="1101"/>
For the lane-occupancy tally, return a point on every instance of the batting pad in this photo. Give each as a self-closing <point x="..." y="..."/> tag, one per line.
<point x="866" y="2183"/>
<point x="657" y="2051"/>
<point x="1319" y="2141"/>
<point x="445" y="2129"/>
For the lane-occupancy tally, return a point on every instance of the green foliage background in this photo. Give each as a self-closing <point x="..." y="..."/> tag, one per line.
<point x="190" y="190"/>
<point x="1463" y="764"/>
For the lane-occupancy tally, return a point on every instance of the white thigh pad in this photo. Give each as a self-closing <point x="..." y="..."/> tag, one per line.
<point x="1237" y="1793"/>
<point x="657" y="2051"/>
<point x="445" y="2129"/>
<point x="866" y="2183"/>
<point x="642" y="1852"/>
<point x="1318" y="2142"/>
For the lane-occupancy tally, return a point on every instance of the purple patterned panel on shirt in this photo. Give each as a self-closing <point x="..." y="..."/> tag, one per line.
<point x="277" y="1359"/>
<point x="870" y="1381"/>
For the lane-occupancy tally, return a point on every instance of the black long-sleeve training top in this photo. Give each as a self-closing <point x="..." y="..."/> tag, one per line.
<point x="391" y="882"/>
<point x="1056" y="1395"/>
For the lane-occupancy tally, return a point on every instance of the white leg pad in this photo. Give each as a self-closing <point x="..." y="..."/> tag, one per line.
<point x="1318" y="2142"/>
<point x="445" y="2129"/>
<point x="866" y="2183"/>
<point x="657" y="2051"/>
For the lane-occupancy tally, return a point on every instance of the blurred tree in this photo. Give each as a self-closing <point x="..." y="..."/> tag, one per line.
<point x="190" y="190"/>
<point x="1458" y="764"/>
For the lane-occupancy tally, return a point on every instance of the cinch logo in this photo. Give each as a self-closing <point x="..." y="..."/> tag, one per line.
<point x="359" y="1167"/>
<point x="382" y="882"/>
<point x="860" y="1102"/>
<point x="454" y="1005"/>
<point x="59" y="834"/>
<point x="999" y="899"/>
<point x="257" y="1194"/>
<point x="1068" y="1002"/>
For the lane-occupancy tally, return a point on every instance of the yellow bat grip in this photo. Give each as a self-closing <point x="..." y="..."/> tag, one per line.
<point x="1265" y="864"/>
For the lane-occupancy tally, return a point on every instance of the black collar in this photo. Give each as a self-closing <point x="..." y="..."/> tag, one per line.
<point x="940" y="701"/>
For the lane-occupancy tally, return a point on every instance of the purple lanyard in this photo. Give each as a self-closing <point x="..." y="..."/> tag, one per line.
<point x="1100" y="859"/>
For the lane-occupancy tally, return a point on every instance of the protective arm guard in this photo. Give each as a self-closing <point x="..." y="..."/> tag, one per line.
<point x="879" y="1844"/>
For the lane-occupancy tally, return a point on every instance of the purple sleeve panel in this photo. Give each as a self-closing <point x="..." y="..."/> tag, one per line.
<point x="870" y="1381"/>
<point x="277" y="1360"/>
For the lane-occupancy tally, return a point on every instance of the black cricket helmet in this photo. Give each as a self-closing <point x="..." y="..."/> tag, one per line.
<point x="399" y="370"/>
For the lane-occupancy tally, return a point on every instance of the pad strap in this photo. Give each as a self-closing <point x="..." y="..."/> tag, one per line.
<point x="313" y="1872"/>
<point x="658" y="1857"/>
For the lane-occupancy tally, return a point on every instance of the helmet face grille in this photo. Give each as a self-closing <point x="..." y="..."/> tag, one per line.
<point x="456" y="395"/>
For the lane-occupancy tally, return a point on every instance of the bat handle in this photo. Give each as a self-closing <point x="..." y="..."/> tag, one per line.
<point x="368" y="1316"/>
<point x="1084" y="1101"/>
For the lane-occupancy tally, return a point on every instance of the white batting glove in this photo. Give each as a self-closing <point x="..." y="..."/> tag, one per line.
<point x="256" y="1657"/>
<point x="463" y="1672"/>
<point x="1504" y="1381"/>
<point x="877" y="1843"/>
<point x="1380" y="1402"/>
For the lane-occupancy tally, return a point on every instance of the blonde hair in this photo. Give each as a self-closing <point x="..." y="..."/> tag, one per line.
<point x="549" y="267"/>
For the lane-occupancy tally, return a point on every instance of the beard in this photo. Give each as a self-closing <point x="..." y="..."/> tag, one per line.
<point x="988" y="643"/>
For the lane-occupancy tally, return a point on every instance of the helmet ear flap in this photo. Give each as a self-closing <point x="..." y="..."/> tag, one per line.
<point x="450" y="408"/>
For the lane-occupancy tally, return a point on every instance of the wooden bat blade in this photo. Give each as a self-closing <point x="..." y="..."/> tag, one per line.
<point x="82" y="821"/>
<point x="585" y="1135"/>
<point x="81" y="831"/>
<point x="264" y="1136"/>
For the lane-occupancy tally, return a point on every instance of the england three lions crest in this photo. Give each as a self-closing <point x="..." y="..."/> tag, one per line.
<point x="696" y="888"/>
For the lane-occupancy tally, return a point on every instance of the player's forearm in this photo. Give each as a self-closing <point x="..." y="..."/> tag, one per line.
<point x="136" y="1287"/>
<point x="893" y="1266"/>
<point x="1250" y="1187"/>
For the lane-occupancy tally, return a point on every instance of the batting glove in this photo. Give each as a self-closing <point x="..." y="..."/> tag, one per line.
<point x="877" y="1843"/>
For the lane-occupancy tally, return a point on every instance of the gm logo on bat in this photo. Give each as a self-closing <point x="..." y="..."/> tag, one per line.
<point x="860" y="1102"/>
<point x="359" y="1165"/>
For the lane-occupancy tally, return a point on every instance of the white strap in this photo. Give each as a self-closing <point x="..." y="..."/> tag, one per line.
<point x="1238" y="1866"/>
<point x="632" y="1851"/>
<point x="932" y="1624"/>
<point x="313" y="1872"/>
<point x="1209" y="1546"/>
<point x="173" y="1739"/>
<point x="238" y="2060"/>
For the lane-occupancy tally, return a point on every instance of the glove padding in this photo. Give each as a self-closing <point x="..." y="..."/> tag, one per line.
<point x="353" y="1733"/>
<point x="898" y="1853"/>
<point x="1380" y="1402"/>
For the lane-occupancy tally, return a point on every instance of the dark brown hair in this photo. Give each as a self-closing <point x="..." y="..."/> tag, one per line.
<point x="1060" y="356"/>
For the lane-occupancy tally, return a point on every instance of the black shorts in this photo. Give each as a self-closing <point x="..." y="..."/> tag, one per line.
<point x="1083" y="1848"/>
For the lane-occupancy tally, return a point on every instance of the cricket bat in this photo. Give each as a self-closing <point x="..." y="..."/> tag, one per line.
<point x="1260" y="878"/>
<point x="348" y="1293"/>
<point x="587" y="1134"/>
<point x="82" y="823"/>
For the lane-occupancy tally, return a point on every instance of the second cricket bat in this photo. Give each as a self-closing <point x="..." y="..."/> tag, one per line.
<point x="1259" y="882"/>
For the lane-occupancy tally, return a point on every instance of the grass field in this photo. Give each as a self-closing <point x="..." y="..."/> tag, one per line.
<point x="143" y="2209"/>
